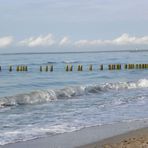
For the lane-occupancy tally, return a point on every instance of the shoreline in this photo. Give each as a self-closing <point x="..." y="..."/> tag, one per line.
<point x="131" y="139"/>
<point x="85" y="137"/>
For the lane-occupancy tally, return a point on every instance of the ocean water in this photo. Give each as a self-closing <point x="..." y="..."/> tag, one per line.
<point x="36" y="104"/>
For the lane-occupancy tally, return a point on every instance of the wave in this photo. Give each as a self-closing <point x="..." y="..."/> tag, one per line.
<point x="65" y="62"/>
<point x="70" y="62"/>
<point x="51" y="62"/>
<point x="43" y="96"/>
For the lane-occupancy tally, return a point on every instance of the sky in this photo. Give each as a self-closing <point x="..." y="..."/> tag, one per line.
<point x="72" y="25"/>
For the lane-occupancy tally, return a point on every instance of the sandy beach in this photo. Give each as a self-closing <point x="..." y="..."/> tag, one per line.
<point x="132" y="134"/>
<point x="133" y="139"/>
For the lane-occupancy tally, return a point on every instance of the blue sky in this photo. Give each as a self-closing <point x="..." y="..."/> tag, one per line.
<point x="69" y="25"/>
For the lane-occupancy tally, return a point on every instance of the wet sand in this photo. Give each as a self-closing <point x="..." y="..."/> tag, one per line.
<point x="133" y="139"/>
<point x="93" y="137"/>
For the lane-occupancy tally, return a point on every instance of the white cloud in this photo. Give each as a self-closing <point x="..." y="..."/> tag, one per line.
<point x="5" y="41"/>
<point x="124" y="39"/>
<point x="64" y="41"/>
<point x="47" y="40"/>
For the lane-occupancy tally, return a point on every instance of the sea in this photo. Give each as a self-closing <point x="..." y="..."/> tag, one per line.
<point x="35" y="104"/>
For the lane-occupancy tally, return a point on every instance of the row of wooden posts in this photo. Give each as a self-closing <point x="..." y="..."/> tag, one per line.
<point x="50" y="68"/>
<point x="18" y="68"/>
<point x="110" y="67"/>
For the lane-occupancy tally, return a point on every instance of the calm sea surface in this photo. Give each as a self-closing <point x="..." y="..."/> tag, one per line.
<point x="37" y="104"/>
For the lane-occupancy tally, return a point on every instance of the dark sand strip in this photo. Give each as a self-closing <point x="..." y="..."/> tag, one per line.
<point x="82" y="137"/>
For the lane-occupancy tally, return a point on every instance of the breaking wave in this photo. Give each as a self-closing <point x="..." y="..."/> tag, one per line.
<point x="42" y="96"/>
<point x="70" y="62"/>
<point x="65" y="62"/>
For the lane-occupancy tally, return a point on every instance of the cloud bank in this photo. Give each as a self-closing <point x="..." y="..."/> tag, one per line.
<point x="49" y="40"/>
<point x="124" y="39"/>
<point x="6" y="41"/>
<point x="64" y="41"/>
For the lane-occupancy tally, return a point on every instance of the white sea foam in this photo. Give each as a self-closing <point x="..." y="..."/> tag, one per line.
<point x="33" y="133"/>
<point x="42" y="96"/>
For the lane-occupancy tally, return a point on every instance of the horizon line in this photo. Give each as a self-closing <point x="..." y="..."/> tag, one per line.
<point x="75" y="52"/>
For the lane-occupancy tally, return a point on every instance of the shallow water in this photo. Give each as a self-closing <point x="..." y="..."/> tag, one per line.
<point x="36" y="104"/>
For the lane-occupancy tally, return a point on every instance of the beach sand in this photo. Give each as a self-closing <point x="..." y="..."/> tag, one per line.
<point x="133" y="134"/>
<point x="133" y="139"/>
